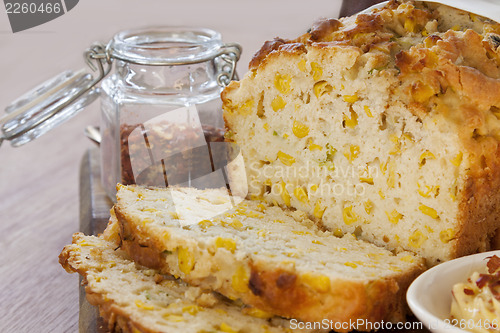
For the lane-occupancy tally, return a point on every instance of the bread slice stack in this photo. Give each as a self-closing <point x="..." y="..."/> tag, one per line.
<point x="371" y="148"/>
<point x="134" y="298"/>
<point x="275" y="260"/>
<point x="163" y="246"/>
<point x="385" y="124"/>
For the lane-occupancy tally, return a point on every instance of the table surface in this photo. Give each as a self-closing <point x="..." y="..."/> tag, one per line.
<point x="39" y="192"/>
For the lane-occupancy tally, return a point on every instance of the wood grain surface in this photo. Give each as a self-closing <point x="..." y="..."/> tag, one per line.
<point x="39" y="193"/>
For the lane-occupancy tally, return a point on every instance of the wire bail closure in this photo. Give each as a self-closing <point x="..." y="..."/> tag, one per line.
<point x="63" y="96"/>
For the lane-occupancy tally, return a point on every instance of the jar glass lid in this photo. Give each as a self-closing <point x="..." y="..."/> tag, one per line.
<point x="27" y="116"/>
<point x="166" y="45"/>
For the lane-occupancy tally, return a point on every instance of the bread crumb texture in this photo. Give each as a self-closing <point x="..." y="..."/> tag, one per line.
<point x="384" y="125"/>
<point x="133" y="298"/>
<point x="275" y="260"/>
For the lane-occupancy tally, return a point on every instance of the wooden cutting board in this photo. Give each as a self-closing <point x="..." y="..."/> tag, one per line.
<point x="94" y="215"/>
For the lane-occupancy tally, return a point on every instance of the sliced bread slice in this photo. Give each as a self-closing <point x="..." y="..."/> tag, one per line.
<point x="264" y="256"/>
<point x="133" y="298"/>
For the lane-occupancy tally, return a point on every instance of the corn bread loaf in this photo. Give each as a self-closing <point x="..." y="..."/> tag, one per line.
<point x="385" y="125"/>
<point x="133" y="298"/>
<point x="263" y="256"/>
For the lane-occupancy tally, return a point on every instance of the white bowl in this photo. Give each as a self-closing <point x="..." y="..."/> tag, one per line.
<point x="429" y="296"/>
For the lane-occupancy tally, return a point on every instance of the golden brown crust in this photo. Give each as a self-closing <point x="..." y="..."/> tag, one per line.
<point x="267" y="48"/>
<point x="283" y="293"/>
<point x="322" y="28"/>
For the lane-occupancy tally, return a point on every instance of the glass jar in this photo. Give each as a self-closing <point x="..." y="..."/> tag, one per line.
<point x="154" y="116"/>
<point x="160" y="106"/>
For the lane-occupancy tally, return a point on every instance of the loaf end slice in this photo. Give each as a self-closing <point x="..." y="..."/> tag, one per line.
<point x="386" y="123"/>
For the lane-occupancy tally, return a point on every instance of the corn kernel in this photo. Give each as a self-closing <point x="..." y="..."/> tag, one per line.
<point x="338" y="233"/>
<point x="473" y="17"/>
<point x="409" y="25"/>
<point x="316" y="71"/>
<point x="192" y="309"/>
<point x="427" y="155"/>
<point x="312" y="146"/>
<point x="141" y="305"/>
<point x="351" y="264"/>
<point x="205" y="224"/>
<point x="421" y="92"/>
<point x="391" y="178"/>
<point x="262" y="233"/>
<point x="396" y="149"/>
<point x="407" y="258"/>
<point x="318" y="210"/>
<point x="266" y="126"/>
<point x="261" y="208"/>
<point x="350" y="98"/>
<point x="368" y="206"/>
<point x="320" y="88"/>
<point x="349" y="216"/>
<point x="428" y="211"/>
<point x="301" y="195"/>
<point x="278" y="103"/>
<point x="285" y="136"/>
<point x="351" y="152"/>
<point x="458" y="159"/>
<point x="368" y="180"/>
<point x="368" y="111"/>
<point x="173" y="318"/>
<point x="446" y="235"/>
<point x="246" y="108"/>
<point x="425" y="33"/>
<point x="320" y="283"/>
<point x="185" y="259"/>
<point x="257" y="313"/>
<point x="408" y="137"/>
<point x="395" y="269"/>
<point x="456" y="27"/>
<point x="417" y="239"/>
<point x="394" y="216"/>
<point x="302" y="65"/>
<point x="383" y="167"/>
<point x="282" y="83"/>
<point x="299" y="129"/>
<point x="284" y="194"/>
<point x="352" y="121"/>
<point x="285" y="158"/>
<point x="428" y="190"/>
<point x="226" y="328"/>
<point x="301" y="232"/>
<point x="226" y="243"/>
<point x="317" y="242"/>
<point x="313" y="188"/>
<point x="240" y="279"/>
<point x="236" y="224"/>
<point x="430" y="42"/>
<point x="381" y="194"/>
